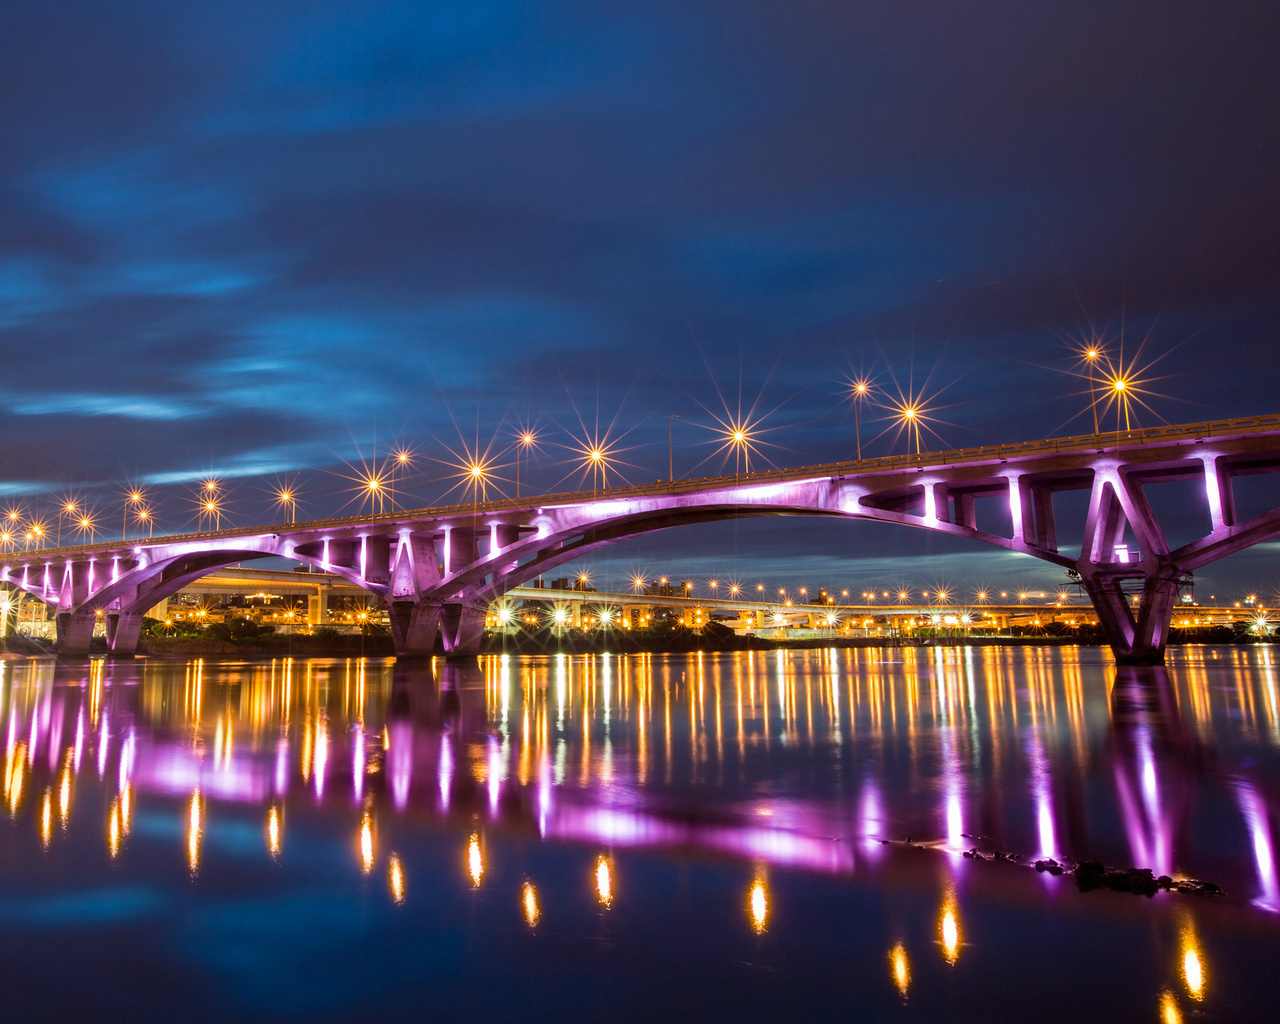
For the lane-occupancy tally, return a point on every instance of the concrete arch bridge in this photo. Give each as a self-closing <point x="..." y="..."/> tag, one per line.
<point x="438" y="569"/>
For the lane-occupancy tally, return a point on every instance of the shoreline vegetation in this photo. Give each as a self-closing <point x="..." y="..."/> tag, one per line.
<point x="712" y="639"/>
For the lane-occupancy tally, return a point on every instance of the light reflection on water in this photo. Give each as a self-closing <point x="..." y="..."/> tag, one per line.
<point x="798" y="761"/>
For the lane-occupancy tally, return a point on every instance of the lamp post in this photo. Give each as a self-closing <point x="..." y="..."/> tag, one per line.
<point x="1091" y="357"/>
<point x="860" y="391"/>
<point x="69" y="509"/>
<point x="132" y="497"/>
<point x="527" y="440"/>
<point x="670" y="451"/>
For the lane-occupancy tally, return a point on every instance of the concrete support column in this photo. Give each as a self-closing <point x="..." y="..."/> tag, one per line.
<point x="1114" y="618"/>
<point x="377" y="559"/>
<point x="463" y="628"/>
<point x="938" y="502"/>
<point x="123" y="630"/>
<point x="318" y="607"/>
<point x="459" y="548"/>
<point x="414" y="627"/>
<point x="1141" y="641"/>
<point x="75" y="632"/>
<point x="1155" y="614"/>
<point x="505" y="536"/>
<point x="1046" y="530"/>
<point x="1217" y="485"/>
<point x="9" y="618"/>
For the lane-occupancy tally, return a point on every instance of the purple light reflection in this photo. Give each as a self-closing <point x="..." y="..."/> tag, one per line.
<point x="1256" y="820"/>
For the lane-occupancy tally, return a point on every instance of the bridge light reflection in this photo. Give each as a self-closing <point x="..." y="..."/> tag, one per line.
<point x="758" y="905"/>
<point x="366" y="843"/>
<point x="900" y="968"/>
<point x="1193" y="973"/>
<point x="475" y="860"/>
<point x="274" y="831"/>
<point x="529" y="904"/>
<point x="949" y="930"/>
<point x="46" y="819"/>
<point x="1169" y="1013"/>
<point x="604" y="881"/>
<point x="195" y="831"/>
<point x="395" y="880"/>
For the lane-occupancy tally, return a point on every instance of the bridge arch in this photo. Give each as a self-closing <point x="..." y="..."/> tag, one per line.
<point x="434" y="571"/>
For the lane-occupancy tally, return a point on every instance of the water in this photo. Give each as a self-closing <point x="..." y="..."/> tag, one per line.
<point x="639" y="838"/>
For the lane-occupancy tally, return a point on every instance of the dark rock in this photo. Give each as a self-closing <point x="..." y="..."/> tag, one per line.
<point x="1090" y="874"/>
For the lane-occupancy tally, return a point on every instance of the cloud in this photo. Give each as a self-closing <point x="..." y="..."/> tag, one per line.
<point x="132" y="407"/>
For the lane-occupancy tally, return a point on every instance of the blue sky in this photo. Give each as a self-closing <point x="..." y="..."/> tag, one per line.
<point x="259" y="238"/>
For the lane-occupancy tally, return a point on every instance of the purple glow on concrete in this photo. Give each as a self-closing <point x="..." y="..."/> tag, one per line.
<point x="364" y="556"/>
<point x="930" y="502"/>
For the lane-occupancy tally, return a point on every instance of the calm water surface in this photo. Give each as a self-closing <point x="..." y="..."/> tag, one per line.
<point x="638" y="838"/>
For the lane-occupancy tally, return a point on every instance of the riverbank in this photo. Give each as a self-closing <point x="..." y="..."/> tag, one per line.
<point x="544" y="642"/>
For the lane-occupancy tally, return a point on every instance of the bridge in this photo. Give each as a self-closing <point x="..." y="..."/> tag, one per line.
<point x="438" y="569"/>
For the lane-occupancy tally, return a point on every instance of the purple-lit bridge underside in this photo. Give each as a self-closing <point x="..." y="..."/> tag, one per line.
<point x="438" y="569"/>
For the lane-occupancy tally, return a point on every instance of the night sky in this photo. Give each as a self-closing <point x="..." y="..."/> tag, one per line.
<point x="256" y="238"/>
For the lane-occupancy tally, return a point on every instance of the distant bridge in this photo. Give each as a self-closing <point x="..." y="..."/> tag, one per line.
<point x="438" y="569"/>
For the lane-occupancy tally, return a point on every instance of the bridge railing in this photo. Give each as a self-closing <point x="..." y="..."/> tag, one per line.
<point x="1113" y="440"/>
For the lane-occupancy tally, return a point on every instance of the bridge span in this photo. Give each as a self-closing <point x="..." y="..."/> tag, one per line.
<point x="438" y="569"/>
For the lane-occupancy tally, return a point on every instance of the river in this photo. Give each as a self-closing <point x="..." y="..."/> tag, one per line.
<point x="789" y="835"/>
